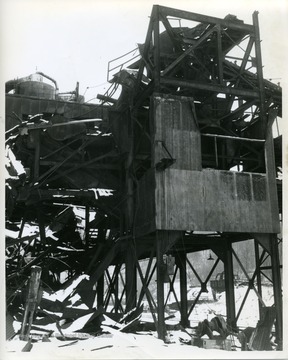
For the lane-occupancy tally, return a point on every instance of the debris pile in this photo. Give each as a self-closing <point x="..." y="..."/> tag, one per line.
<point x="70" y="317"/>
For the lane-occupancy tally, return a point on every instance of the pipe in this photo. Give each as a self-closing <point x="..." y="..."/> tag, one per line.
<point x="49" y="78"/>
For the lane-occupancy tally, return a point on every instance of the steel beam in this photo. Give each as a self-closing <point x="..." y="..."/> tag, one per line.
<point x="210" y="87"/>
<point x="260" y="81"/>
<point x="156" y="33"/>
<point x="187" y="52"/>
<point x="160" y="240"/>
<point x="181" y="262"/>
<point x="202" y="283"/>
<point x="146" y="280"/>
<point x="277" y="289"/>
<point x="229" y="286"/>
<point x="100" y="291"/>
<point x="258" y="273"/>
<point x="130" y="276"/>
<point x="219" y="55"/>
<point x="167" y="11"/>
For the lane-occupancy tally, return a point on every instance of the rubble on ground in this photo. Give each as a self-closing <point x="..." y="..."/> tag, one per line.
<point x="68" y="318"/>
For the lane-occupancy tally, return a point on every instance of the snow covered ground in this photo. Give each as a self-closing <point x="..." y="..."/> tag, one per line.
<point x="120" y="346"/>
<point x="113" y="344"/>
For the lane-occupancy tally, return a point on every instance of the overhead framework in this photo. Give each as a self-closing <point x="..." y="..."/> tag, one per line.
<point x="187" y="154"/>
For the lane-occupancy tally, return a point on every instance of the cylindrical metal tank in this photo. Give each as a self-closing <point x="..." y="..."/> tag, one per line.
<point x="36" y="88"/>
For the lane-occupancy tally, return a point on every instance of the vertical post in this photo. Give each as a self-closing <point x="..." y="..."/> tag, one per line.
<point x="276" y="277"/>
<point x="229" y="286"/>
<point x="116" y="289"/>
<point x="219" y="54"/>
<point x="160" y="238"/>
<point x="87" y="227"/>
<point x="100" y="291"/>
<point x="130" y="273"/>
<point x="271" y="174"/>
<point x="31" y="302"/>
<point x="41" y="225"/>
<point x="36" y="136"/>
<point x="156" y="49"/>
<point x="258" y="274"/>
<point x="263" y="118"/>
<point x="130" y="276"/>
<point x="181" y="262"/>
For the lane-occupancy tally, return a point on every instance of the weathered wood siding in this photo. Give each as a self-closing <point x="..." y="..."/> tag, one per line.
<point x="186" y="197"/>
<point x="213" y="200"/>
<point x="175" y="125"/>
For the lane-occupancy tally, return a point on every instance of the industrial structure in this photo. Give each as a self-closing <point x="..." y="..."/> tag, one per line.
<point x="184" y="160"/>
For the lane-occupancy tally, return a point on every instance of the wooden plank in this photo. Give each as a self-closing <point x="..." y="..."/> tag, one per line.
<point x="260" y="339"/>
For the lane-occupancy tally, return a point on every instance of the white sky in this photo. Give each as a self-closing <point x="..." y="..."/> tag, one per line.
<point x="74" y="40"/>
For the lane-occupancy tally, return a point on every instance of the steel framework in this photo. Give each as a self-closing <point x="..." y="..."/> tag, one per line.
<point x="186" y="154"/>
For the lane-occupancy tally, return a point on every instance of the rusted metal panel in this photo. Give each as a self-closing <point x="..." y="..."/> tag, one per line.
<point x="212" y="200"/>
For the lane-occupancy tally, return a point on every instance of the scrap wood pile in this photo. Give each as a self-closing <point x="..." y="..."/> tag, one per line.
<point x="67" y="313"/>
<point x="68" y="317"/>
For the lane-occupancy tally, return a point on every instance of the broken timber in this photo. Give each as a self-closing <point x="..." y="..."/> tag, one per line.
<point x="32" y="301"/>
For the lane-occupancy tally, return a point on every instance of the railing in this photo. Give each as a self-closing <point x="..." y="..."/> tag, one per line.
<point x="238" y="151"/>
<point x="119" y="62"/>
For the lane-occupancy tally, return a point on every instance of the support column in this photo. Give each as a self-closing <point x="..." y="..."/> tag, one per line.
<point x="164" y="241"/>
<point x="100" y="291"/>
<point x="87" y="212"/>
<point x="130" y="272"/>
<point x="160" y="239"/>
<point x="116" y="290"/>
<point x="181" y="263"/>
<point x="130" y="276"/>
<point x="229" y="286"/>
<point x="35" y="134"/>
<point x="258" y="272"/>
<point x="41" y="224"/>
<point x="156" y="33"/>
<point x="277" y="288"/>
<point x="261" y="88"/>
